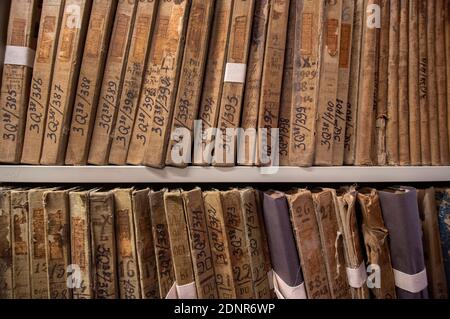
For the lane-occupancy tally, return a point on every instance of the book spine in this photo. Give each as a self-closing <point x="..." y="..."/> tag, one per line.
<point x="4" y="9"/>
<point x="447" y="55"/>
<point x="56" y="207"/>
<point x="307" y="61"/>
<point x="237" y="241"/>
<point x="89" y="81"/>
<point x="441" y="70"/>
<point x="202" y="258"/>
<point x="80" y="241"/>
<point x="128" y="272"/>
<point x="167" y="83"/>
<point x="16" y="78"/>
<point x="250" y="108"/>
<point x="213" y="81"/>
<point x="234" y="83"/>
<point x="190" y="84"/>
<point x="309" y="246"/>
<point x="219" y="245"/>
<point x="113" y="80"/>
<point x="254" y="237"/>
<point x="101" y="208"/>
<point x="284" y="122"/>
<point x="20" y="245"/>
<point x="6" y="271"/>
<point x="41" y="80"/>
<point x="328" y="85"/>
<point x="134" y="77"/>
<point x="38" y="246"/>
<point x="342" y="96"/>
<point x="148" y="274"/>
<point x="164" y="261"/>
<point x="65" y="76"/>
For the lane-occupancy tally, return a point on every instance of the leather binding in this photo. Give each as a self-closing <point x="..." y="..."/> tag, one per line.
<point x="145" y="251"/>
<point x="4" y="9"/>
<point x="383" y="78"/>
<point x="332" y="243"/>
<point x="345" y="47"/>
<point x="38" y="245"/>
<point x="190" y="83"/>
<point x="164" y="261"/>
<point x="128" y="270"/>
<point x="80" y="243"/>
<point x="6" y="271"/>
<point x="143" y="35"/>
<point x="308" y="38"/>
<point x="238" y="244"/>
<point x="284" y="122"/>
<point x="254" y="233"/>
<point x="57" y="209"/>
<point x="213" y="81"/>
<point x="90" y="81"/>
<point x="202" y="258"/>
<point x="428" y="209"/>
<point x="219" y="245"/>
<point x="285" y="260"/>
<point x="233" y="91"/>
<point x="401" y="215"/>
<point x="354" y="251"/>
<point x="41" y="80"/>
<point x="113" y="81"/>
<point x="353" y="91"/>
<point x="179" y="241"/>
<point x="16" y="79"/>
<point x="253" y="82"/>
<point x="309" y="246"/>
<point x="65" y="76"/>
<point x="101" y="208"/>
<point x="443" y="198"/>
<point x="375" y="235"/>
<point x="167" y="78"/>
<point x="328" y="84"/>
<point x="447" y="55"/>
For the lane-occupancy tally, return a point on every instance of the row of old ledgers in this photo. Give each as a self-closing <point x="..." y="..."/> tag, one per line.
<point x="224" y="83"/>
<point x="135" y="243"/>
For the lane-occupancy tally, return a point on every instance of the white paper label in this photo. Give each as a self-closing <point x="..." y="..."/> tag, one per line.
<point x="19" y="56"/>
<point x="235" y="72"/>
<point x="412" y="283"/>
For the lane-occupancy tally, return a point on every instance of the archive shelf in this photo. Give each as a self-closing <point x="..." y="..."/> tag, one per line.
<point x="139" y="174"/>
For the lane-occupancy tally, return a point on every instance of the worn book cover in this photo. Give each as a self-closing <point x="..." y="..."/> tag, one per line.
<point x="220" y="249"/>
<point x="341" y="104"/>
<point x="234" y="83"/>
<point x="332" y="243"/>
<point x="6" y="271"/>
<point x="447" y="55"/>
<point x="80" y="243"/>
<point x="443" y="200"/>
<point x="309" y="246"/>
<point x="213" y="82"/>
<point x="40" y="288"/>
<point x="148" y="275"/>
<point x="89" y="81"/>
<point x="41" y="81"/>
<point x="250" y="107"/>
<point x="255" y="238"/>
<point x="134" y="72"/>
<point x="202" y="257"/>
<point x="65" y="77"/>
<point x="4" y="9"/>
<point x="101" y="208"/>
<point x="307" y="60"/>
<point x="168" y="56"/>
<point x="113" y="79"/>
<point x="353" y="87"/>
<point x="237" y="242"/>
<point x="57" y="209"/>
<point x="16" y="77"/>
<point x="186" y="108"/>
<point x="163" y="251"/>
<point x="127" y="263"/>
<point x="286" y="104"/>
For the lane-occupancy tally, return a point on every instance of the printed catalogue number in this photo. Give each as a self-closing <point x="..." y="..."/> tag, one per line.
<point x="224" y="309"/>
